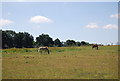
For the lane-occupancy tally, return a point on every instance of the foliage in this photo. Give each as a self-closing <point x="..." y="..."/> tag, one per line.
<point x="70" y="43"/>
<point x="24" y="40"/>
<point x="11" y="39"/>
<point x="44" y="40"/>
<point x="78" y="44"/>
<point x="8" y="39"/>
<point x="84" y="43"/>
<point x="57" y="43"/>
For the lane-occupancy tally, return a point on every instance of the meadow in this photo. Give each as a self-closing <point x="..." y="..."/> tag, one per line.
<point x="62" y="63"/>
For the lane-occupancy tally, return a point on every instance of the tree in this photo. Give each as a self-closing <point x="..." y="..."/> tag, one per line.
<point x="78" y="44"/>
<point x="28" y="40"/>
<point x="19" y="40"/>
<point x="83" y="43"/>
<point x="44" y="40"/>
<point x="0" y="39"/>
<point x="8" y="39"/>
<point x="57" y="43"/>
<point x="24" y="40"/>
<point x="70" y="43"/>
<point x="4" y="39"/>
<point x="63" y="43"/>
<point x="87" y="43"/>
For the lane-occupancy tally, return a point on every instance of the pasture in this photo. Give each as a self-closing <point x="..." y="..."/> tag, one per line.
<point x="62" y="63"/>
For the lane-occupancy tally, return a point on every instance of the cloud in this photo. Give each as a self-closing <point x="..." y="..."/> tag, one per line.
<point x="85" y="40"/>
<point x="5" y="22"/>
<point x="92" y="25"/>
<point x="115" y="16"/>
<point x="40" y="19"/>
<point x="110" y="26"/>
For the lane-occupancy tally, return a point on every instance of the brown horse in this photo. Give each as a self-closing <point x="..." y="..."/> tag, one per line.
<point x="41" y="49"/>
<point x="95" y="46"/>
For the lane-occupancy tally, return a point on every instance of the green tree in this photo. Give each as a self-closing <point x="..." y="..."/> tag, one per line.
<point x="8" y="39"/>
<point x="83" y="43"/>
<point x="19" y="40"/>
<point x="24" y="39"/>
<point x="28" y="40"/>
<point x="70" y="43"/>
<point x="4" y="40"/>
<point x="57" y="43"/>
<point x="63" y="43"/>
<point x="78" y="44"/>
<point x="44" y="40"/>
<point x="0" y="39"/>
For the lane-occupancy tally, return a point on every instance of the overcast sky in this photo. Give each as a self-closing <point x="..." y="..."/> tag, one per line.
<point x="94" y="22"/>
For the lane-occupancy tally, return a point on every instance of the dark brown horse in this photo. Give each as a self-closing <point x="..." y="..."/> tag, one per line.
<point x="95" y="46"/>
<point x="45" y="49"/>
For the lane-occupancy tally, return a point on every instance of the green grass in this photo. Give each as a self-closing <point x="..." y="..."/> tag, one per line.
<point x="62" y="63"/>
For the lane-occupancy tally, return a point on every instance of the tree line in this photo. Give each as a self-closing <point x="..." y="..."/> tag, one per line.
<point x="11" y="39"/>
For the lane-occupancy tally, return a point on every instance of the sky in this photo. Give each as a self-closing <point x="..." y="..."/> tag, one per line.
<point x="94" y="22"/>
<point x="59" y="0"/>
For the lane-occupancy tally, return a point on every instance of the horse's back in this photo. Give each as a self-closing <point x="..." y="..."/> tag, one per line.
<point x="43" y="49"/>
<point x="95" y="45"/>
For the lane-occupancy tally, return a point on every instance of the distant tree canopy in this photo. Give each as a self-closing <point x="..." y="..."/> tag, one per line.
<point x="84" y="43"/>
<point x="11" y="39"/>
<point x="8" y="39"/>
<point x="24" y="40"/>
<point x="70" y="43"/>
<point x="44" y="40"/>
<point x="57" y="43"/>
<point x="78" y="44"/>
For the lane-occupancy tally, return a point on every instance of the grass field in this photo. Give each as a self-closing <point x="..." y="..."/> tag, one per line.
<point x="62" y="63"/>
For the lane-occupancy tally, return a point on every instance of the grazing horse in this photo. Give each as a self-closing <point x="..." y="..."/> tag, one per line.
<point x="41" y="49"/>
<point x="95" y="46"/>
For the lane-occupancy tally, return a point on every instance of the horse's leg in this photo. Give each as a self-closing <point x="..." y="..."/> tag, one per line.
<point x="48" y="51"/>
<point x="97" y="47"/>
<point x="41" y="51"/>
<point x="38" y="50"/>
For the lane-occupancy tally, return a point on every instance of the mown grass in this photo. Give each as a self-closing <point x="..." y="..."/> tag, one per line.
<point x="62" y="63"/>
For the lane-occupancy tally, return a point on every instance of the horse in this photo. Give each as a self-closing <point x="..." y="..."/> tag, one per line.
<point x="41" y="49"/>
<point x="95" y="46"/>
